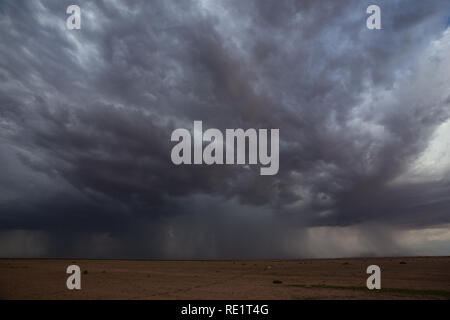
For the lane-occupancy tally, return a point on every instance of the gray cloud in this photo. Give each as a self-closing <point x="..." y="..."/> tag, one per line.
<point x="86" y="118"/>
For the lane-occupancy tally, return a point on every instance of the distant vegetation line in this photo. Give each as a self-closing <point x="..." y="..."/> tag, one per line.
<point x="441" y="293"/>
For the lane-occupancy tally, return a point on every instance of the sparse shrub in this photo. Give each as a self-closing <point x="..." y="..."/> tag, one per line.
<point x="277" y="282"/>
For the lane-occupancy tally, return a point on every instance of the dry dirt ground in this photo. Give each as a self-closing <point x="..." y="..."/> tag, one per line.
<point x="401" y="278"/>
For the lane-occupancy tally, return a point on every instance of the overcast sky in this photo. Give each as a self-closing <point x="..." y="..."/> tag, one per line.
<point x="86" y="118"/>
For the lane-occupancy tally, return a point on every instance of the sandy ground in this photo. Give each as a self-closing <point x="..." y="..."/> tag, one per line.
<point x="402" y="278"/>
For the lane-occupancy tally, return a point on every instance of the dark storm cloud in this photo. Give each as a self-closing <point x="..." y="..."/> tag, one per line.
<point x="86" y="119"/>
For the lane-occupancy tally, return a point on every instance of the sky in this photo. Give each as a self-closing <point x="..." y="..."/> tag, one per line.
<point x="86" y="118"/>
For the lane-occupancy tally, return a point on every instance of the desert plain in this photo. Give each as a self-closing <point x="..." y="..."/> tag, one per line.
<point x="401" y="278"/>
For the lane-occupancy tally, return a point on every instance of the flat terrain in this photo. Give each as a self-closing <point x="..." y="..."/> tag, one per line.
<point x="401" y="278"/>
